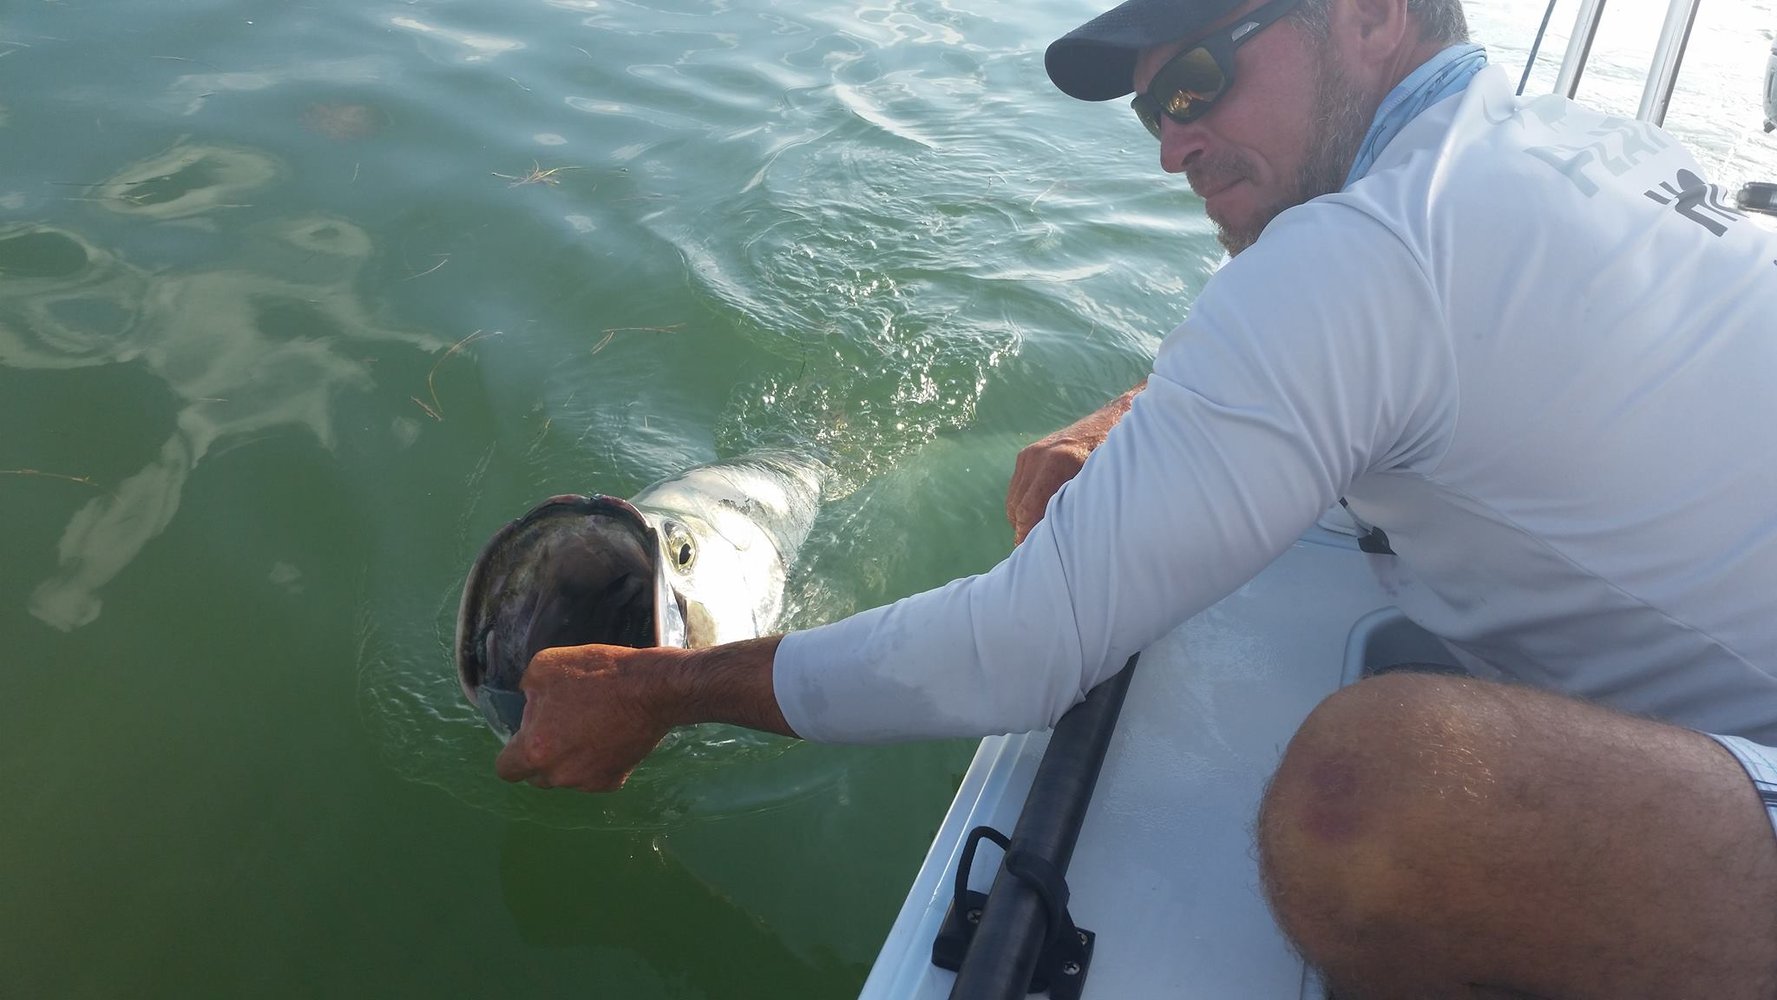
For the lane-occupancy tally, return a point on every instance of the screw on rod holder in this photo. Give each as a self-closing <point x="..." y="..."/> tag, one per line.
<point x="1067" y="949"/>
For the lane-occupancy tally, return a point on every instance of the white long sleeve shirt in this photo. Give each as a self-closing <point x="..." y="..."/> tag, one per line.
<point x="1530" y="344"/>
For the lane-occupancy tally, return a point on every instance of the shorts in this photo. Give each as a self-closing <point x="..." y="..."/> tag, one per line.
<point x="1760" y="763"/>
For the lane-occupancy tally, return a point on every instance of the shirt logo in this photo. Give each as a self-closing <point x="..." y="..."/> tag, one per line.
<point x="1705" y="204"/>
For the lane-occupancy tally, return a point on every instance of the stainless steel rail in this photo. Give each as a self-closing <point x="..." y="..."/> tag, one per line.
<point x="1579" y="47"/>
<point x="1675" y="35"/>
<point x="1662" y="75"/>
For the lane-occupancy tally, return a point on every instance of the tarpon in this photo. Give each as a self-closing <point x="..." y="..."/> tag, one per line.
<point x="691" y="561"/>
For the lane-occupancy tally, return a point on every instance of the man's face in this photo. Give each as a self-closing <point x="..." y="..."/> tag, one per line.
<point x="1285" y="131"/>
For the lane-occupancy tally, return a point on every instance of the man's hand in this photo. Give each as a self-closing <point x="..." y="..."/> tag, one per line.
<point x="1043" y="467"/>
<point x="591" y="713"/>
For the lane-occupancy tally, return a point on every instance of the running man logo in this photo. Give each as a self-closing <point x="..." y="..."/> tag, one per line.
<point x="1704" y="204"/>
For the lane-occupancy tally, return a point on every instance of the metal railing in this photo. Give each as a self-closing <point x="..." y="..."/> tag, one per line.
<point x="1662" y="74"/>
<point x="1579" y="48"/>
<point x="1675" y="35"/>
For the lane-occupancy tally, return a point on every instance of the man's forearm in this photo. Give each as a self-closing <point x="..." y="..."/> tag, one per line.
<point x="1091" y="429"/>
<point x="1116" y="408"/>
<point x="730" y="683"/>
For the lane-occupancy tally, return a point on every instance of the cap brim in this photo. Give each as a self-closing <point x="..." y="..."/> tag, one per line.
<point x="1096" y="61"/>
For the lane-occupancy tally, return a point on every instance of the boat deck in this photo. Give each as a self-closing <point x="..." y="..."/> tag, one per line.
<point x="1164" y="871"/>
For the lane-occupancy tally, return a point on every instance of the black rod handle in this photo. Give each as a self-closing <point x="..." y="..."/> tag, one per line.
<point x="1015" y="921"/>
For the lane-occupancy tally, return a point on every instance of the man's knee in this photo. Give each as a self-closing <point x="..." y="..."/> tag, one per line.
<point x="1372" y="779"/>
<point x="1517" y="835"/>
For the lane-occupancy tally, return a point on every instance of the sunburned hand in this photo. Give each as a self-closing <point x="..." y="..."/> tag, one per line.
<point x="1043" y="467"/>
<point x="591" y="714"/>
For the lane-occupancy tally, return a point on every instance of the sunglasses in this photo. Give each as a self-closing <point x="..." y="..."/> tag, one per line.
<point x="1189" y="84"/>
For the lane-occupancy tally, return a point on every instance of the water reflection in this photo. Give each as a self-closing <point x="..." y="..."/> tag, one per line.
<point x="187" y="180"/>
<point x="190" y="92"/>
<point x="241" y="351"/>
<point x="855" y="285"/>
<point x="475" y="47"/>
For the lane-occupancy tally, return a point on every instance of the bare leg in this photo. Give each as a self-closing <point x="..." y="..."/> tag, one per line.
<point x="1431" y="837"/>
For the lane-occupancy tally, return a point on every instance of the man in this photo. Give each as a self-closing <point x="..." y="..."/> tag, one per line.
<point x="1522" y="337"/>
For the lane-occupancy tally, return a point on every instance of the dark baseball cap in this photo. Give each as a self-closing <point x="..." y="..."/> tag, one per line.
<point x="1096" y="61"/>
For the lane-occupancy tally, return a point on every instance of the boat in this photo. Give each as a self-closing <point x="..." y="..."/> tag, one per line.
<point x="1154" y="891"/>
<point x="1163" y="874"/>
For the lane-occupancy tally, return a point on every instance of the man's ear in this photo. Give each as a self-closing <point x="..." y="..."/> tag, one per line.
<point x="1376" y="41"/>
<point x="1372" y="31"/>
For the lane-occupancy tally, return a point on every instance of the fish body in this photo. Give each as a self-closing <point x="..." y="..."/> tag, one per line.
<point x="691" y="561"/>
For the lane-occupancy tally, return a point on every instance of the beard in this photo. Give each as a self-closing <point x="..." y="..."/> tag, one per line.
<point x="1341" y="120"/>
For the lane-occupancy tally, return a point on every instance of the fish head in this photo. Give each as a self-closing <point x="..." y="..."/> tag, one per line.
<point x="729" y="532"/>
<point x="573" y="571"/>
<point x="724" y="570"/>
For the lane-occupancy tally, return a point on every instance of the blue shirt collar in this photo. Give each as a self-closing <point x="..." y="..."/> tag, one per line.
<point x="1441" y="76"/>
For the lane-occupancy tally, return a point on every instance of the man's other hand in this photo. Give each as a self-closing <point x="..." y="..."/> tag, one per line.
<point x="1044" y="466"/>
<point x="591" y="713"/>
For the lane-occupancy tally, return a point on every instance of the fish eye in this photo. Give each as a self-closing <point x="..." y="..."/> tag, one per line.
<point x="679" y="546"/>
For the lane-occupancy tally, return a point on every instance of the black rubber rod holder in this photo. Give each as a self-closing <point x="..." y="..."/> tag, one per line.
<point x="1014" y="923"/>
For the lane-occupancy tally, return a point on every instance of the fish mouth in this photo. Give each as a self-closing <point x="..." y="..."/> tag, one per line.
<point x="572" y="571"/>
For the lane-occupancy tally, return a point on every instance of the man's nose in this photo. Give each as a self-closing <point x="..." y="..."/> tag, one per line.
<point x="1179" y="144"/>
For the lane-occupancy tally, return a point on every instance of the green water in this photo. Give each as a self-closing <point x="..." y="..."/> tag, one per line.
<point x="298" y="302"/>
